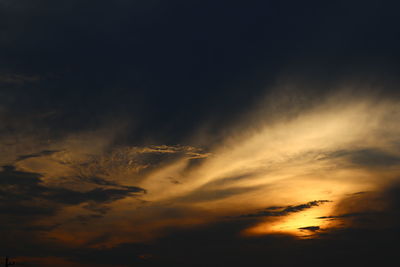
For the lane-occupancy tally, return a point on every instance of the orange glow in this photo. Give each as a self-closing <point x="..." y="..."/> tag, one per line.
<point x="277" y="164"/>
<point x="295" y="224"/>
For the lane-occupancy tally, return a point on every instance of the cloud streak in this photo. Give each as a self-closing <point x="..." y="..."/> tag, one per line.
<point x="283" y="211"/>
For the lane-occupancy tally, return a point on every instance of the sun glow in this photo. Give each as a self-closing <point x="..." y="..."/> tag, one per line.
<point x="301" y="224"/>
<point x="313" y="156"/>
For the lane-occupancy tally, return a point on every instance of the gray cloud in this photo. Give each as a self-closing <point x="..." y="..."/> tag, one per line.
<point x="368" y="157"/>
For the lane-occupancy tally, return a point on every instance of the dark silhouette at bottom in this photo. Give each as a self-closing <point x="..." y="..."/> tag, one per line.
<point x="8" y="262"/>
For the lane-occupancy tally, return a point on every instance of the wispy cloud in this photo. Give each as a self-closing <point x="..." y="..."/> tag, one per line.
<point x="283" y="211"/>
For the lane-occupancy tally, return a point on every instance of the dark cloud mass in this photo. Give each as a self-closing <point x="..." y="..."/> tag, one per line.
<point x="360" y="243"/>
<point x="23" y="194"/>
<point x="197" y="133"/>
<point x="145" y="57"/>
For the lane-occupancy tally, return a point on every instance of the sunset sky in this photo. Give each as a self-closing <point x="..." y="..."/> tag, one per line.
<point x="199" y="133"/>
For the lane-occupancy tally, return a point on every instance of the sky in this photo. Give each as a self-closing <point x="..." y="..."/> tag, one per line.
<point x="199" y="133"/>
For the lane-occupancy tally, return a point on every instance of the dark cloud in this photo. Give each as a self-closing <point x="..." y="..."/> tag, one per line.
<point x="23" y="194"/>
<point x="283" y="211"/>
<point x="27" y="204"/>
<point x="100" y="181"/>
<point x="31" y="184"/>
<point x="39" y="154"/>
<point x="111" y="187"/>
<point x="348" y="215"/>
<point x="310" y="228"/>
